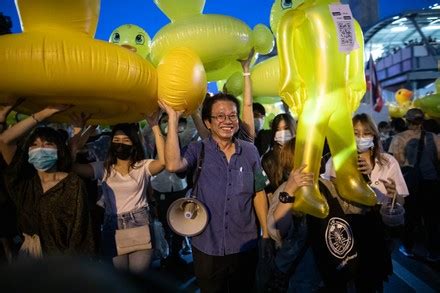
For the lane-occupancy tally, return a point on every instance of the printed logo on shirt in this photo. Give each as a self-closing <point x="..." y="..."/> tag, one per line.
<point x="339" y="237"/>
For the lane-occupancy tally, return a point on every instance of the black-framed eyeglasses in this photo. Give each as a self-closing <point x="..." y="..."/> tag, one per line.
<point x="222" y="117"/>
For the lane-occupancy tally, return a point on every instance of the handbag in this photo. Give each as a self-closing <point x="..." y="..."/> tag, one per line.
<point x="133" y="239"/>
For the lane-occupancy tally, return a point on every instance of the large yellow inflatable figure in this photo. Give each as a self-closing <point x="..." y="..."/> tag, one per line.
<point x="403" y="103"/>
<point x="56" y="60"/>
<point x="218" y="40"/>
<point x="322" y="78"/>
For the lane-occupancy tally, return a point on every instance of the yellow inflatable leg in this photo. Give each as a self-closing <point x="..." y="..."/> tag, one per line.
<point x="340" y="136"/>
<point x="308" y="150"/>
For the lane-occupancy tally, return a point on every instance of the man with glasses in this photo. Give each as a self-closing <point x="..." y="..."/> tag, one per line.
<point x="231" y="185"/>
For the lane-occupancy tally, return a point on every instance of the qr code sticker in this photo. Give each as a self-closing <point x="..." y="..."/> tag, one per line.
<point x="345" y="29"/>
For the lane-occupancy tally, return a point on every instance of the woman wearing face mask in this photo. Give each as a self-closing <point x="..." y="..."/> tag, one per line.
<point x="278" y="161"/>
<point x="383" y="173"/>
<point x="125" y="175"/>
<point x="380" y="169"/>
<point x="50" y="201"/>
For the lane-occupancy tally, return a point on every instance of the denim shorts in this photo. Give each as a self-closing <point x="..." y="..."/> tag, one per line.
<point x="127" y="220"/>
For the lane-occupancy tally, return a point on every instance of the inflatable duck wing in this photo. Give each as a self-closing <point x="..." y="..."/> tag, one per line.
<point x="218" y="40"/>
<point x="56" y="60"/>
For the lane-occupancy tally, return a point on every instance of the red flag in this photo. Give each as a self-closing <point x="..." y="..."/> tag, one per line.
<point x="375" y="89"/>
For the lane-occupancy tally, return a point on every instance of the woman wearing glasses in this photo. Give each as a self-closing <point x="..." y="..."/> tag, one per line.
<point x="231" y="185"/>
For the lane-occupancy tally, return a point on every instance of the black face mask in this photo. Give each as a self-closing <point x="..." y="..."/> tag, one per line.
<point x="122" y="151"/>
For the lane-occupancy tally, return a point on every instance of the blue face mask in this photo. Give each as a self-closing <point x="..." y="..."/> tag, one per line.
<point x="43" y="158"/>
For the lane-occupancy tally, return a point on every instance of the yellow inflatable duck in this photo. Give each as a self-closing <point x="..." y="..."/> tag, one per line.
<point x="181" y="76"/>
<point x="133" y="38"/>
<point x="323" y="81"/>
<point x="404" y="103"/>
<point x="218" y="40"/>
<point x="56" y="60"/>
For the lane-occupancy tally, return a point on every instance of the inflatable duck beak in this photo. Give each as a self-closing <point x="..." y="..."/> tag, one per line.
<point x="131" y="48"/>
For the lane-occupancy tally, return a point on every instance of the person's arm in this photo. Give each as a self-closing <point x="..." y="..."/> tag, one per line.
<point x="173" y="160"/>
<point x="200" y="126"/>
<point x="4" y="112"/>
<point x="248" y="113"/>
<point x="390" y="186"/>
<point x="78" y="140"/>
<point x="297" y="179"/>
<point x="261" y="207"/>
<point x="157" y="165"/>
<point x="9" y="138"/>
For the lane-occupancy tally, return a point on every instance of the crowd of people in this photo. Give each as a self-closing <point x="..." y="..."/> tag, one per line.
<point x="252" y="237"/>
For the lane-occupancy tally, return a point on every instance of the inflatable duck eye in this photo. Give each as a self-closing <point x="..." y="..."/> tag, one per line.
<point x="286" y="4"/>
<point x="115" y="38"/>
<point x="140" y="40"/>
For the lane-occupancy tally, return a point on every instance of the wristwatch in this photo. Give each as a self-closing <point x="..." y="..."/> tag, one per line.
<point x="284" y="197"/>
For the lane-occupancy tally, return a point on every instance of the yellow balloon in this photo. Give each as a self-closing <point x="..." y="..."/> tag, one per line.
<point x="218" y="40"/>
<point x="56" y="60"/>
<point x="265" y="78"/>
<point x="180" y="9"/>
<point x="263" y="39"/>
<point x="324" y="86"/>
<point x="429" y="104"/>
<point x="182" y="80"/>
<point x="234" y="84"/>
<point x="132" y="37"/>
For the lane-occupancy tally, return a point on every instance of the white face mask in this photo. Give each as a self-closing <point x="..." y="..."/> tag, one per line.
<point x="258" y="123"/>
<point x="283" y="136"/>
<point x="364" y="144"/>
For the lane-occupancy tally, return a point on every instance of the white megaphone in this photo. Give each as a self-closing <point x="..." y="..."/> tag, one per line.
<point x="187" y="216"/>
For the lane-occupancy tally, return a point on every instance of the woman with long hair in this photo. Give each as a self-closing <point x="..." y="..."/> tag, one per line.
<point x="380" y="169"/>
<point x="278" y="161"/>
<point x="124" y="177"/>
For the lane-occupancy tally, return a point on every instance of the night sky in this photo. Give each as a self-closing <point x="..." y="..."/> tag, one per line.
<point x="145" y="13"/>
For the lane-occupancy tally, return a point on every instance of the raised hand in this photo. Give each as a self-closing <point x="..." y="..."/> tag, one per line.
<point x="245" y="64"/>
<point x="297" y="179"/>
<point x="169" y="110"/>
<point x="79" y="120"/>
<point x="53" y="109"/>
<point x="390" y="186"/>
<point x="153" y="118"/>
<point x="364" y="167"/>
<point x="7" y="108"/>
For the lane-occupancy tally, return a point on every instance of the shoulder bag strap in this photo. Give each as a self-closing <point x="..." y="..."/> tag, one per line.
<point x="198" y="169"/>
<point x="420" y="147"/>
